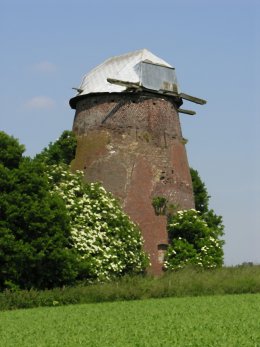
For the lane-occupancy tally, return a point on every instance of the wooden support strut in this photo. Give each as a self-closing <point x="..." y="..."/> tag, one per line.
<point x="124" y="83"/>
<point x="190" y="112"/>
<point x="192" y="99"/>
<point x="162" y="91"/>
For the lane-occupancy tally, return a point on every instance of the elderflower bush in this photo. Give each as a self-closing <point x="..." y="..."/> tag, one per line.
<point x="107" y="241"/>
<point x="193" y="242"/>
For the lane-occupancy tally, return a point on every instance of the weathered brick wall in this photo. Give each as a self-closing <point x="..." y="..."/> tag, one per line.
<point x="132" y="143"/>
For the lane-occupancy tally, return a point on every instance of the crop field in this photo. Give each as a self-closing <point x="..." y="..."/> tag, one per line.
<point x="228" y="320"/>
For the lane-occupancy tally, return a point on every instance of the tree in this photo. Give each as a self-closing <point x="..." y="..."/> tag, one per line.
<point x="54" y="228"/>
<point x="35" y="248"/>
<point x="201" y="198"/>
<point x="61" y="151"/>
<point x="11" y="151"/>
<point x="200" y="192"/>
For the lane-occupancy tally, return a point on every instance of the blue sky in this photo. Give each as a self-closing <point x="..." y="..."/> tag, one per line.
<point x="47" y="47"/>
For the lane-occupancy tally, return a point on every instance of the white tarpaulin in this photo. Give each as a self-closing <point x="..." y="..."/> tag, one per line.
<point x="129" y="68"/>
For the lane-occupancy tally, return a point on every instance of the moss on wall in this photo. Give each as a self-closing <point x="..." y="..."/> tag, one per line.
<point x="89" y="146"/>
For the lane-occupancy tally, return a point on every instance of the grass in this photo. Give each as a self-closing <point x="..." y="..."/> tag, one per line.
<point x="228" y="320"/>
<point x="189" y="282"/>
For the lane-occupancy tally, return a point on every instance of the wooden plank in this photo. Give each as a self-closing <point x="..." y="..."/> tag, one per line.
<point x="167" y="92"/>
<point x="123" y="83"/>
<point x="192" y="99"/>
<point x="181" y="110"/>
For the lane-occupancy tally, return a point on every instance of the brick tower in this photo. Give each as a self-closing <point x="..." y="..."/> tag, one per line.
<point x="130" y="140"/>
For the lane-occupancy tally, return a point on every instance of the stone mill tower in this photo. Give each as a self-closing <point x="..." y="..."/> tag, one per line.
<point x="130" y="140"/>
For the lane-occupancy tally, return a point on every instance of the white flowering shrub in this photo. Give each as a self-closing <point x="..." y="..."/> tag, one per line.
<point x="193" y="241"/>
<point x="109" y="244"/>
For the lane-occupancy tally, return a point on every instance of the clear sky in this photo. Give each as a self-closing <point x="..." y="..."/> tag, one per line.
<point x="48" y="45"/>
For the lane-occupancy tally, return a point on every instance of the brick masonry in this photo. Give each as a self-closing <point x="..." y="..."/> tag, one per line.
<point x="133" y="145"/>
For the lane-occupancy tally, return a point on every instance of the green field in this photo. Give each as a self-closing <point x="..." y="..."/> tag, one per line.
<point x="228" y="320"/>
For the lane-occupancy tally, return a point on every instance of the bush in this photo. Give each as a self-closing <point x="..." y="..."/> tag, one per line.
<point x="187" y="282"/>
<point x="11" y="151"/>
<point x="55" y="229"/>
<point x="35" y="248"/>
<point x="108" y="243"/>
<point x="193" y="242"/>
<point x="195" y="235"/>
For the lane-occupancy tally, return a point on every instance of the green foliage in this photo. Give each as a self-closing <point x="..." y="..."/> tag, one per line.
<point x="200" y="192"/>
<point x="108" y="243"/>
<point x="190" y="281"/>
<point x="180" y="254"/>
<point x="34" y="231"/>
<point x="193" y="242"/>
<point x="195" y="234"/>
<point x="55" y="229"/>
<point x="35" y="248"/>
<point x="159" y="204"/>
<point x="61" y="151"/>
<point x="11" y="151"/>
<point x="201" y="198"/>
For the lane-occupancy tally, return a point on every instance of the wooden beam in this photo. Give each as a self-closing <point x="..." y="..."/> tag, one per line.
<point x="181" y="110"/>
<point x="192" y="99"/>
<point x="167" y="92"/>
<point x="123" y="83"/>
<point x="137" y="85"/>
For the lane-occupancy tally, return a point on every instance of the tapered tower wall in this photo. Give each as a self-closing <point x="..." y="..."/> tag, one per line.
<point x="132" y="143"/>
